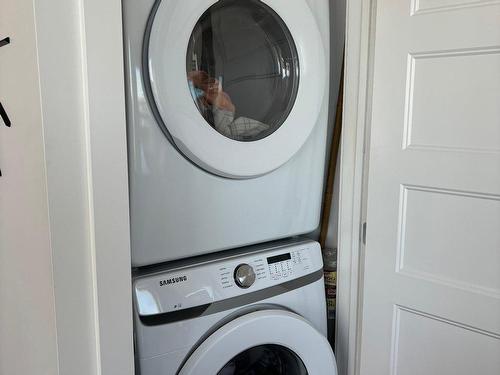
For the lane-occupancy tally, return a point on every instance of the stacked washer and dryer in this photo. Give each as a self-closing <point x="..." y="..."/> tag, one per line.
<point x="227" y="105"/>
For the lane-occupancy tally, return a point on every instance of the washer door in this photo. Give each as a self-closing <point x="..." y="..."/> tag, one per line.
<point x="263" y="342"/>
<point x="236" y="85"/>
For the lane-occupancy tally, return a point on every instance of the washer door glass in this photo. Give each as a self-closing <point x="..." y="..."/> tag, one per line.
<point x="265" y="360"/>
<point x="242" y="69"/>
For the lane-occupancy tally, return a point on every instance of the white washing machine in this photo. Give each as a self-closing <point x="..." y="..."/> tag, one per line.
<point x="258" y="312"/>
<point x="227" y="113"/>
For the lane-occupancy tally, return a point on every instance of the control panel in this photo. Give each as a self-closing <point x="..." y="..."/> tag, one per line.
<point x="228" y="277"/>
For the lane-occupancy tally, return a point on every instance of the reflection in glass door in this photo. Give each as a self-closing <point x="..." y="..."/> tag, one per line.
<point x="242" y="69"/>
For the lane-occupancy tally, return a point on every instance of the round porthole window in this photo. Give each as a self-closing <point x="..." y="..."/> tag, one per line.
<point x="242" y="69"/>
<point x="267" y="359"/>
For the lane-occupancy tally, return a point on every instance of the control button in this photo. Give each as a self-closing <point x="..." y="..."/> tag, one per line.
<point x="244" y="276"/>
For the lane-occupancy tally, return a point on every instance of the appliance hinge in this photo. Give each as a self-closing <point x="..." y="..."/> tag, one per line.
<point x="363" y="233"/>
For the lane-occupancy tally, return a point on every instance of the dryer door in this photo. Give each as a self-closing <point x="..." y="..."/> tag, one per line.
<point x="263" y="342"/>
<point x="236" y="85"/>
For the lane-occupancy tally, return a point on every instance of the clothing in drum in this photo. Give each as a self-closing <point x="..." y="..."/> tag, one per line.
<point x="242" y="69"/>
<point x="265" y="360"/>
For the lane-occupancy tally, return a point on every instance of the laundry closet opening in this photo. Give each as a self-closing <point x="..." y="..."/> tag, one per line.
<point x="233" y="123"/>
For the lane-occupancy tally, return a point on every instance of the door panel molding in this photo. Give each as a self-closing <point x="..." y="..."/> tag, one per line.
<point x="431" y="6"/>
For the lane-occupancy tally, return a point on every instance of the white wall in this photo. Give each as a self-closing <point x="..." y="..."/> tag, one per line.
<point x="28" y="337"/>
<point x="337" y="37"/>
<point x="65" y="300"/>
<point x="337" y="9"/>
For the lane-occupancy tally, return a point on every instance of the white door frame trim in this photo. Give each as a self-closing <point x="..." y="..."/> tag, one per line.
<point x="107" y="173"/>
<point x="355" y="130"/>
<point x="80" y="56"/>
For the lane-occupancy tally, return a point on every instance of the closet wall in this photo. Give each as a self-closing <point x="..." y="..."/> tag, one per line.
<point x="28" y="336"/>
<point x="337" y="37"/>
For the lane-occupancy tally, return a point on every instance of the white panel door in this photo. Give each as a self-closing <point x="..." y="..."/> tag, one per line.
<point x="431" y="297"/>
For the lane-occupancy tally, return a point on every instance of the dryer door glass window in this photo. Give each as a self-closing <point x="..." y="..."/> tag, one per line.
<point x="265" y="360"/>
<point x="242" y="69"/>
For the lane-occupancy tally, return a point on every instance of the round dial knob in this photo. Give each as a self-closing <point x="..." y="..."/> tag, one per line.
<point x="244" y="276"/>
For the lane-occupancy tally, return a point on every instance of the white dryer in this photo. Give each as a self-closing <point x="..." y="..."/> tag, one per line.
<point x="258" y="312"/>
<point x="227" y="114"/>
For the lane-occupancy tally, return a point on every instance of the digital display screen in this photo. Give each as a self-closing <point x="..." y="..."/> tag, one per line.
<point x="278" y="258"/>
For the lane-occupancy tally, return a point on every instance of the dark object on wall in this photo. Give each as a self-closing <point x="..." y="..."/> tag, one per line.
<point x="4" y="116"/>
<point x="4" y="41"/>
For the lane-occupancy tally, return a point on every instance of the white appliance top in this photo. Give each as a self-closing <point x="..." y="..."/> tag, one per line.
<point x="233" y="276"/>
